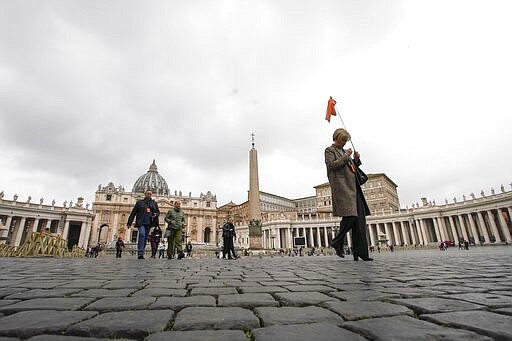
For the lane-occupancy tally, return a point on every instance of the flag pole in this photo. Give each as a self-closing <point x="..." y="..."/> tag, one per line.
<point x="344" y="127"/>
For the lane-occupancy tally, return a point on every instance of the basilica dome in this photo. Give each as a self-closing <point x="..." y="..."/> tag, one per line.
<point x="151" y="181"/>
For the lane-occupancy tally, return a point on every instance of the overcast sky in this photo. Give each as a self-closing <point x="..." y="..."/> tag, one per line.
<point x="92" y="91"/>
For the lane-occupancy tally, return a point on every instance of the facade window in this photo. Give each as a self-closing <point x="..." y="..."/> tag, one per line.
<point x="109" y="197"/>
<point x="208" y="204"/>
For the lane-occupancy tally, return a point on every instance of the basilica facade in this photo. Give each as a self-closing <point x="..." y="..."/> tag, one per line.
<point x="113" y="204"/>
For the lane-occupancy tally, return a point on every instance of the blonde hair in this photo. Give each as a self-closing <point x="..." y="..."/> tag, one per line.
<point x="340" y="132"/>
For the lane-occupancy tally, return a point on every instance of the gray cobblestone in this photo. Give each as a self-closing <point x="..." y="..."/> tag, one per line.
<point x="455" y="295"/>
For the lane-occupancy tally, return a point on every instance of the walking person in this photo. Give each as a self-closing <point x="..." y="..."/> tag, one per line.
<point x="175" y="220"/>
<point x="161" y="249"/>
<point x="145" y="212"/>
<point x="119" y="247"/>
<point x="188" y="248"/>
<point x="348" y="200"/>
<point x="228" y="233"/>
<point x="156" y="236"/>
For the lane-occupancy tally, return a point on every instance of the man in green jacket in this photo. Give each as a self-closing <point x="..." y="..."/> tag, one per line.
<point x="175" y="220"/>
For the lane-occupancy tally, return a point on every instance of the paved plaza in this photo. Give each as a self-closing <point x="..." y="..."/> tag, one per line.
<point x="404" y="295"/>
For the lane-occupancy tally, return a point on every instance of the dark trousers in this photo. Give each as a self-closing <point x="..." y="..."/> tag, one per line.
<point x="229" y="248"/>
<point x="118" y="253"/>
<point x="358" y="227"/>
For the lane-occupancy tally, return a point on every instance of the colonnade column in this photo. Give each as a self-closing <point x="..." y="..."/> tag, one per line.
<point x="454" y="230"/>
<point x="424" y="232"/>
<point x="504" y="227"/>
<point x="463" y="227"/>
<point x="494" y="229"/>
<point x="406" y="240"/>
<point x="66" y="229"/>
<point x="290" y="238"/>
<point x="304" y="235"/>
<point x="325" y="237"/>
<point x="278" y="239"/>
<point x="442" y="227"/>
<point x="438" y="229"/>
<point x="349" y="239"/>
<point x="36" y="222"/>
<point x="318" y="239"/>
<point x="372" y="235"/>
<point x="388" y="234"/>
<point x="412" y="234"/>
<point x="19" y="232"/>
<point x="484" y="229"/>
<point x="474" y="230"/>
<point x="398" y="240"/>
<point x="311" y="239"/>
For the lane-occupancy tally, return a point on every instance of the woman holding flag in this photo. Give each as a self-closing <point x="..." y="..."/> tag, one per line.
<point x="348" y="200"/>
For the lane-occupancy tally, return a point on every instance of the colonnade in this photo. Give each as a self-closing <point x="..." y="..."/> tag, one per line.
<point x="484" y="221"/>
<point x="18" y="220"/>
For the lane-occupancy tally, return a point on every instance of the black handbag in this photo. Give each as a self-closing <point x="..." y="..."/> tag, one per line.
<point x="361" y="176"/>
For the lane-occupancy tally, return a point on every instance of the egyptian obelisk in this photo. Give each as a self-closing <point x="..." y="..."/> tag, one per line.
<point x="254" y="200"/>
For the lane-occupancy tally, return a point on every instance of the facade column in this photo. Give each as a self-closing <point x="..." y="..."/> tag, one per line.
<point x="311" y="239"/>
<point x="398" y="240"/>
<point x="318" y="239"/>
<point x="389" y="237"/>
<point x="326" y="240"/>
<point x="463" y="227"/>
<point x="66" y="229"/>
<point x="372" y="235"/>
<point x="406" y="240"/>
<point x="493" y="226"/>
<point x="278" y="238"/>
<point x="454" y="230"/>
<point x="36" y="223"/>
<point x="411" y="232"/>
<point x="424" y="232"/>
<point x="19" y="234"/>
<point x="290" y="238"/>
<point x="484" y="228"/>
<point x="439" y="230"/>
<point x="504" y="227"/>
<point x="474" y="230"/>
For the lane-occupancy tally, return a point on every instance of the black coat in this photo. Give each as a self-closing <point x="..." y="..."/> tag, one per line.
<point x="228" y="230"/>
<point x="139" y="210"/>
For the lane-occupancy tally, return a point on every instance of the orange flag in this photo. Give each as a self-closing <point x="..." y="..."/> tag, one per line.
<point x="330" y="109"/>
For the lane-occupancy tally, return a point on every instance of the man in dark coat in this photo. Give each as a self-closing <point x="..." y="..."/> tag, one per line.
<point x="348" y="200"/>
<point x="228" y="233"/>
<point x="145" y="213"/>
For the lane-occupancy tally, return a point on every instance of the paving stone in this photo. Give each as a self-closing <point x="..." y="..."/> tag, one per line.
<point x="156" y="292"/>
<point x="48" y="304"/>
<point x="412" y="292"/>
<point x="407" y="328"/>
<point x="213" y="291"/>
<point x="120" y="304"/>
<point x="361" y="295"/>
<point x="259" y="289"/>
<point x="9" y="291"/>
<point x="36" y="322"/>
<point x="123" y="284"/>
<point x="506" y="311"/>
<point x="483" y="322"/>
<point x="69" y="338"/>
<point x="8" y="302"/>
<point x="312" y="331"/>
<point x="489" y="300"/>
<point x="302" y="288"/>
<point x="178" y="303"/>
<point x="43" y="293"/>
<point x="199" y="335"/>
<point x="130" y="324"/>
<point x="293" y="315"/>
<point x="104" y="293"/>
<point x="215" y="318"/>
<point x="427" y="305"/>
<point x="9" y="338"/>
<point x="84" y="284"/>
<point x="361" y="310"/>
<point x="247" y="300"/>
<point x="300" y="299"/>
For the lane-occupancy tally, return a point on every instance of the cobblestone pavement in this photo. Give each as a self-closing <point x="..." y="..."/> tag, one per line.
<point x="406" y="295"/>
